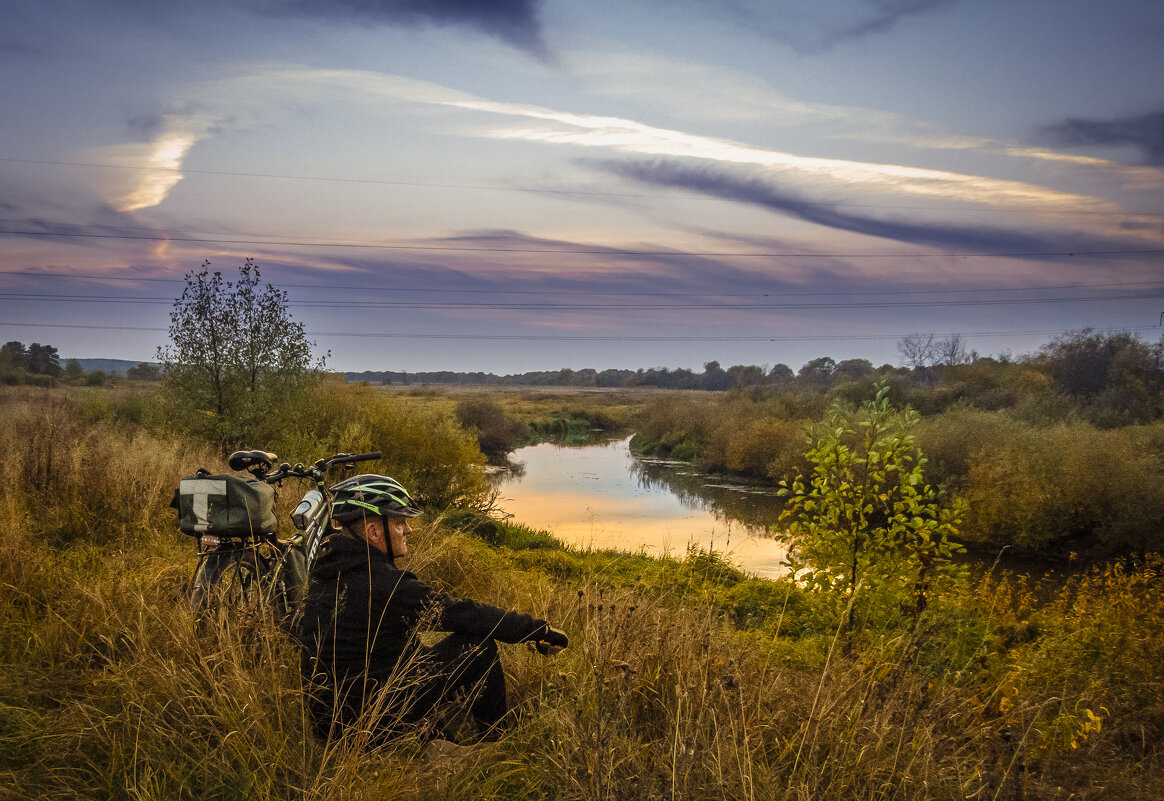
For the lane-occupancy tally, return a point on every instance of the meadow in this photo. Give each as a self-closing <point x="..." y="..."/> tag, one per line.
<point x="684" y="679"/>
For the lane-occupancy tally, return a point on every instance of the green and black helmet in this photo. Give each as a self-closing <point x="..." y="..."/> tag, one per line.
<point x="358" y="496"/>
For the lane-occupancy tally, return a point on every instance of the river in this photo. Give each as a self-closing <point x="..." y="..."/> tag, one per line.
<point x="602" y="496"/>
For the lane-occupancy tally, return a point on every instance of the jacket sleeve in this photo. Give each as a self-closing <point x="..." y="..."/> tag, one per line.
<point x="413" y="599"/>
<point x="482" y="621"/>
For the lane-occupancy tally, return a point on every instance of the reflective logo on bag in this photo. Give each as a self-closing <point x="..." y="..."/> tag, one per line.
<point x="200" y="490"/>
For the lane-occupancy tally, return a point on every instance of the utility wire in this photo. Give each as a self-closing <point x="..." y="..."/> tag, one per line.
<point x="592" y="293"/>
<point x="611" y="252"/>
<point x="407" y="305"/>
<point x="597" y="338"/>
<point x="501" y="188"/>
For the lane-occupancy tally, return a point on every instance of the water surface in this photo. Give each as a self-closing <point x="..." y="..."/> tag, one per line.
<point x="601" y="496"/>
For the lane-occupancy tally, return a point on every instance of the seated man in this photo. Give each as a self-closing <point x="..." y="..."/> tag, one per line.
<point x="361" y="620"/>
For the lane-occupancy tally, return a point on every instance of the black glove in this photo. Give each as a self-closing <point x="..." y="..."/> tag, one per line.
<point x="555" y="638"/>
<point x="550" y="638"/>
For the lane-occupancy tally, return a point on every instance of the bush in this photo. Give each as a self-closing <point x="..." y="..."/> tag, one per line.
<point x="423" y="446"/>
<point x="497" y="433"/>
<point x="675" y="426"/>
<point x="954" y="440"/>
<point x="1070" y="488"/>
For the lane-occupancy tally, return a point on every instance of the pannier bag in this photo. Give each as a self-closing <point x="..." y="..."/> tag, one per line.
<point x="225" y="506"/>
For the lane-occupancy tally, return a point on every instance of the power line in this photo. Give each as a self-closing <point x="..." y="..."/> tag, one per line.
<point x="500" y="188"/>
<point x="599" y="338"/>
<point x="611" y="252"/>
<point x="547" y="307"/>
<point x="594" y="292"/>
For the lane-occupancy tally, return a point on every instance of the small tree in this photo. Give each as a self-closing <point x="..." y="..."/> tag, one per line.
<point x="918" y="351"/>
<point x="952" y="351"/>
<point x="780" y="374"/>
<point x="14" y="355"/>
<point x="866" y="514"/>
<point x="236" y="360"/>
<point x="819" y="372"/>
<point x="74" y="372"/>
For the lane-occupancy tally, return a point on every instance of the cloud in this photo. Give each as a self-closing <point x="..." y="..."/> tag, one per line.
<point x="1144" y="132"/>
<point x="705" y="93"/>
<point x="550" y="126"/>
<point x="101" y="224"/>
<point x="271" y="91"/>
<point x="882" y="15"/>
<point x="768" y="194"/>
<point x="513" y="21"/>
<point x="809" y="25"/>
<point x="154" y="166"/>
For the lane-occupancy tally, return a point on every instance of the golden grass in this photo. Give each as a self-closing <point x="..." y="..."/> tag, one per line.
<point x="106" y="691"/>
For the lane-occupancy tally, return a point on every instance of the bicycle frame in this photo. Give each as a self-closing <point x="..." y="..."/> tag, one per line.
<point x="264" y="570"/>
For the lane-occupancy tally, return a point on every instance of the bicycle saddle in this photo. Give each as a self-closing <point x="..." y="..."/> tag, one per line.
<point x="244" y="460"/>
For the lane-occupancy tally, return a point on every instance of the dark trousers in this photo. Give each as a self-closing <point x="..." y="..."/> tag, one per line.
<point x="457" y="664"/>
<point x="420" y="695"/>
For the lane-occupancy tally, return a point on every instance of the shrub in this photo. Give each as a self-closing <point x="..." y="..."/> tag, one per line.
<point x="498" y="434"/>
<point x="423" y="446"/>
<point x="1070" y="488"/>
<point x="865" y="515"/>
<point x="674" y="426"/>
<point x="954" y="440"/>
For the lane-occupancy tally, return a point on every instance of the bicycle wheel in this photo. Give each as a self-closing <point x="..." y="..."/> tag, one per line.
<point x="289" y="586"/>
<point x="229" y="584"/>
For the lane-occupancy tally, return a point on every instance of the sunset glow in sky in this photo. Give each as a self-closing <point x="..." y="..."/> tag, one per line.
<point x="521" y="185"/>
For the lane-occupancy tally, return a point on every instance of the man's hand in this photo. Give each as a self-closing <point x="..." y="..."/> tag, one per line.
<point x="554" y="641"/>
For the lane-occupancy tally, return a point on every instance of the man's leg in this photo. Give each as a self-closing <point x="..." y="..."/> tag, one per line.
<point x="474" y="666"/>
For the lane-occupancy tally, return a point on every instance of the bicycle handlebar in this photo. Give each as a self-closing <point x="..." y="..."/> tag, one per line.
<point x="351" y="458"/>
<point x="315" y="471"/>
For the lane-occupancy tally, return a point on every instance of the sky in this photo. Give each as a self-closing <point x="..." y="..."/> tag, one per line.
<point x="515" y="185"/>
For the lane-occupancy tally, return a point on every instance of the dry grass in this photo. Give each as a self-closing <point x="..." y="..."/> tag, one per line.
<point x="107" y="692"/>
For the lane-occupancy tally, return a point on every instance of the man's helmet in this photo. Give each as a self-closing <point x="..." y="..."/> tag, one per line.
<point x="359" y="496"/>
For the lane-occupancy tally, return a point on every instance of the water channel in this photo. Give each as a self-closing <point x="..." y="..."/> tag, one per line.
<point x="602" y="496"/>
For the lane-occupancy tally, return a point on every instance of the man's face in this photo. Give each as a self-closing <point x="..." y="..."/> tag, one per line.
<point x="398" y="531"/>
<point x="380" y="531"/>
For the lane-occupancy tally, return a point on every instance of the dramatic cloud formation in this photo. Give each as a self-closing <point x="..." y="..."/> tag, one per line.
<point x="1144" y="132"/>
<point x="512" y="21"/>
<point x="564" y="128"/>
<point x="427" y="171"/>
<point x="767" y="194"/>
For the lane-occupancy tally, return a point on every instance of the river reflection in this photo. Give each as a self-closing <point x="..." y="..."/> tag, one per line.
<point x="601" y="496"/>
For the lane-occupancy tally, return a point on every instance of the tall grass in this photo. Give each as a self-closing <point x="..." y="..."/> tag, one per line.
<point x="684" y="679"/>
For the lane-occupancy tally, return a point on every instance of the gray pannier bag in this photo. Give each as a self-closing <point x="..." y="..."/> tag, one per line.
<point x="225" y="506"/>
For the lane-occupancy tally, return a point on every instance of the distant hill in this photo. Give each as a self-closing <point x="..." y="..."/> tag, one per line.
<point x="110" y="366"/>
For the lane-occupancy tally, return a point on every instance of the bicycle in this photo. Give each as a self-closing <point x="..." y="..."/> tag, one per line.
<point x="247" y="574"/>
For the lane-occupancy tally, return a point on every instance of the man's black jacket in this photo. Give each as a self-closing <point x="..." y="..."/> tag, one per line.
<point x="361" y="616"/>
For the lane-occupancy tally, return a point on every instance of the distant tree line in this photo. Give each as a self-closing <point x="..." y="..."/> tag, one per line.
<point x="713" y="377"/>
<point x="1109" y="379"/>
